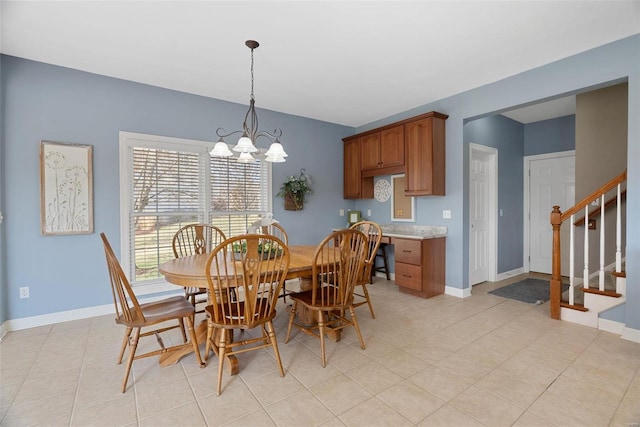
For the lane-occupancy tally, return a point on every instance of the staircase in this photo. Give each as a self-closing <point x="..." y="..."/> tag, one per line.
<point x="604" y="287"/>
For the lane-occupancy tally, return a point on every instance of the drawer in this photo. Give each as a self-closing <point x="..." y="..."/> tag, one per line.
<point x="409" y="276"/>
<point x="408" y="251"/>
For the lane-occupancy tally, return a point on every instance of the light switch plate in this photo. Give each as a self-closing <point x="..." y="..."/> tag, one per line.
<point x="446" y="214"/>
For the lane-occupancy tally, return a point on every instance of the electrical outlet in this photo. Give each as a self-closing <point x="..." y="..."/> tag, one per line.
<point x="446" y="214"/>
<point x="341" y="212"/>
<point x="368" y="212"/>
<point x="24" y="292"/>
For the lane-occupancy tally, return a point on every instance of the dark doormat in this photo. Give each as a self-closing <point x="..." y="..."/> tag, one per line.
<point x="532" y="291"/>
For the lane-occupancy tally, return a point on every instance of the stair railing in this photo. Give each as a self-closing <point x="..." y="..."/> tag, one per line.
<point x="557" y="218"/>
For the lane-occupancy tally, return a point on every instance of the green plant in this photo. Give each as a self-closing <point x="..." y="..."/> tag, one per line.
<point x="297" y="187"/>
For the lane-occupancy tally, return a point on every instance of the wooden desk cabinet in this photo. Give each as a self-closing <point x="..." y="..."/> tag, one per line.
<point x="420" y="266"/>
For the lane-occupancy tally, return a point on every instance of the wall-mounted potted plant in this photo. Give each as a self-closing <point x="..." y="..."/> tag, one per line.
<point x="294" y="189"/>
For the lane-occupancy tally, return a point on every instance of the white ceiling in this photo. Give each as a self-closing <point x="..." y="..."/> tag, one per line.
<point x="346" y="62"/>
<point x="544" y="110"/>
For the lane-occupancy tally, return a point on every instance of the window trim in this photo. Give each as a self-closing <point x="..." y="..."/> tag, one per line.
<point x="129" y="140"/>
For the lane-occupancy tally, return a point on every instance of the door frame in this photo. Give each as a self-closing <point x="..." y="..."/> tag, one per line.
<point x="525" y="199"/>
<point x="492" y="211"/>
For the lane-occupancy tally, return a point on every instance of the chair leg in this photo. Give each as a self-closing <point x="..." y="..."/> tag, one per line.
<point x="292" y="315"/>
<point x="194" y="341"/>
<point x="183" y="330"/>
<point x="133" y="345"/>
<point x="321" y="332"/>
<point x="366" y="295"/>
<point x="125" y="341"/>
<point x="222" y="349"/>
<point x="354" y="320"/>
<point x="274" y="342"/>
<point x="208" y="344"/>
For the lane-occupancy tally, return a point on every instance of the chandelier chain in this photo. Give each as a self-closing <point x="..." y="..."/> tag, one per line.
<point x="252" y="97"/>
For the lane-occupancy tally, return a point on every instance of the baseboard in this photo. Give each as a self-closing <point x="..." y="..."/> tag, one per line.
<point x="611" y="326"/>
<point x="3" y="331"/>
<point x="631" y="334"/>
<point x="64" y="316"/>
<point x="507" y="274"/>
<point x="457" y="292"/>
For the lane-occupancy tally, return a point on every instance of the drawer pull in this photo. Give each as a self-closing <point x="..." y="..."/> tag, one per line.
<point x="405" y="250"/>
<point x="406" y="275"/>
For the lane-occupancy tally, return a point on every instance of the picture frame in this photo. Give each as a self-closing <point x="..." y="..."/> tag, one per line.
<point x="354" y="216"/>
<point x="66" y="188"/>
<point x="403" y="208"/>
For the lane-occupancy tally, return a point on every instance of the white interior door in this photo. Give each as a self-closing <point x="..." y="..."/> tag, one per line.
<point x="481" y="199"/>
<point x="551" y="182"/>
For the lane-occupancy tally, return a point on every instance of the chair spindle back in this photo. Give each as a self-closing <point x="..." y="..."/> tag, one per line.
<point x="247" y="273"/>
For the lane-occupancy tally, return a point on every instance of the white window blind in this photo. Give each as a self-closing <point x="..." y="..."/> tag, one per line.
<point x="168" y="183"/>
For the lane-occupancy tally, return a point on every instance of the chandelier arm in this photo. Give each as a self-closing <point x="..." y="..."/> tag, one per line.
<point x="277" y="133"/>
<point x="220" y="133"/>
<point x="251" y="128"/>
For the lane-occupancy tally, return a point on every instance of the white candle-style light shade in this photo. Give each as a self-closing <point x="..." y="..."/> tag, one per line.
<point x="220" y="150"/>
<point x="246" y="158"/>
<point x="276" y="149"/>
<point x="275" y="159"/>
<point x="245" y="145"/>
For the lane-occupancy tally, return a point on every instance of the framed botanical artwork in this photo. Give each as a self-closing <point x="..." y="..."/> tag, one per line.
<point x="66" y="188"/>
<point x="403" y="208"/>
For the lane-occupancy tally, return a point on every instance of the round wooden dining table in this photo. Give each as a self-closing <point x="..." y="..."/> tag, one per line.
<point x="189" y="271"/>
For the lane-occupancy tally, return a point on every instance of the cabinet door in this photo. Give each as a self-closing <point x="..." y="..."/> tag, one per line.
<point x="355" y="186"/>
<point x="370" y="146"/>
<point x="425" y="159"/>
<point x="392" y="147"/>
<point x="352" y="169"/>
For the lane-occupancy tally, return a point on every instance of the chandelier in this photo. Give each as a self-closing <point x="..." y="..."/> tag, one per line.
<point x="250" y="132"/>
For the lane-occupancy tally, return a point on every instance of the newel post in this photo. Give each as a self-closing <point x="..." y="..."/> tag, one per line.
<point x="555" y="286"/>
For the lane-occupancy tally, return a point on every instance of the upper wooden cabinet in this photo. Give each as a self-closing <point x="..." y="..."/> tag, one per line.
<point x="355" y="186"/>
<point x="425" y="155"/>
<point x="415" y="147"/>
<point x="383" y="151"/>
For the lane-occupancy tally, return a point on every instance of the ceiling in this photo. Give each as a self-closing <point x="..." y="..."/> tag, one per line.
<point x="345" y="62"/>
<point x="543" y="110"/>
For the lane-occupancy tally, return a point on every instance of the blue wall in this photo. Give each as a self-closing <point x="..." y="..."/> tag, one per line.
<point x="612" y="63"/>
<point x="507" y="136"/>
<point x="549" y="136"/>
<point x="3" y="276"/>
<point x="46" y="102"/>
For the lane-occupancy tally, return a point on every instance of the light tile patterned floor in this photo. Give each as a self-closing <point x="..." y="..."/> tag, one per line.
<point x="444" y="361"/>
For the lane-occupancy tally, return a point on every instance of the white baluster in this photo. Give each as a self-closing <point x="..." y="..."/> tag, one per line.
<point x="571" y="260"/>
<point x="601" y="271"/>
<point x="585" y="272"/>
<point x="618" y="234"/>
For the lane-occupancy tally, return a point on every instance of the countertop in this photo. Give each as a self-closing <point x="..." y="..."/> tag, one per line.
<point x="413" y="231"/>
<point x="418" y="232"/>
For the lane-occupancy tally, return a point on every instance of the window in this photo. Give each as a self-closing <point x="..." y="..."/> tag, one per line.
<point x="167" y="183"/>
